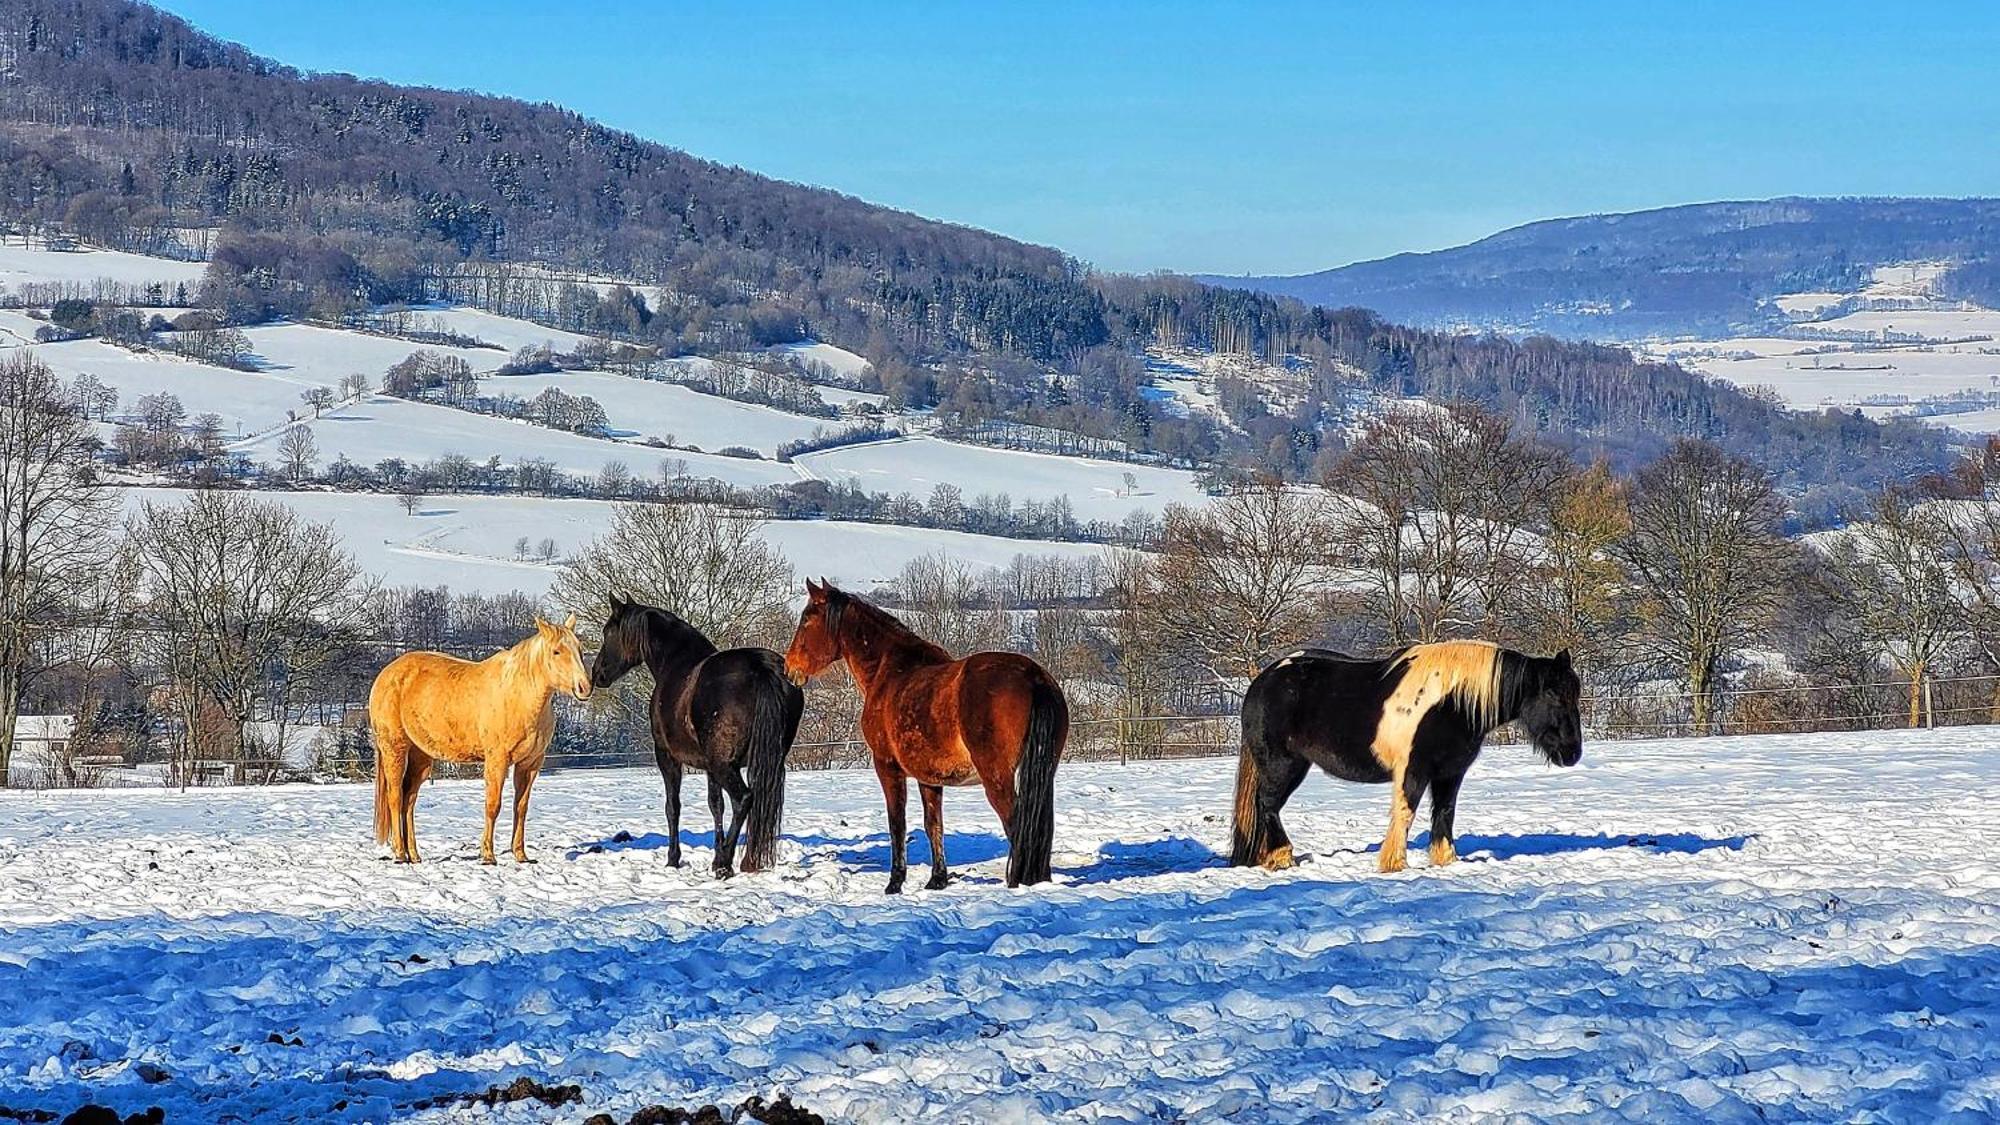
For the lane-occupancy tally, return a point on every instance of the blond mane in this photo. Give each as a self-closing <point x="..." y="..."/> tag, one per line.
<point x="1467" y="671"/>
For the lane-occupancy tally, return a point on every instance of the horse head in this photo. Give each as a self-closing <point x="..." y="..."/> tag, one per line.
<point x="562" y="657"/>
<point x="624" y="643"/>
<point x="1550" y="695"/>
<point x="816" y="644"/>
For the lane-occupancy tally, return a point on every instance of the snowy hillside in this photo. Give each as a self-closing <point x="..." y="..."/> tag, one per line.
<point x="1774" y="928"/>
<point x="1895" y="346"/>
<point x="1096" y="489"/>
<point x="655" y="428"/>
<point x="468" y="542"/>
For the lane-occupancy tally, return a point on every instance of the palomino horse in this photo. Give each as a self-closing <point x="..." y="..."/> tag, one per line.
<point x="995" y="718"/>
<point x="719" y="712"/>
<point x="1415" y="719"/>
<point x="427" y="706"/>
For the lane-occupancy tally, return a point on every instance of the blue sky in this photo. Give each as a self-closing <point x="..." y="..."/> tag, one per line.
<point x="1228" y="138"/>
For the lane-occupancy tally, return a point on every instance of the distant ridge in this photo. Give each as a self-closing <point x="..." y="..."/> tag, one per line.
<point x="1707" y="268"/>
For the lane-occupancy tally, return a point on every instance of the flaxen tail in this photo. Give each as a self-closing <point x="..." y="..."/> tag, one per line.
<point x="384" y="829"/>
<point x="1031" y="833"/>
<point x="773" y="724"/>
<point x="1246" y="827"/>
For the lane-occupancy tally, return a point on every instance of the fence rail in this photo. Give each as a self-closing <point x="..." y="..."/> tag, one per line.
<point x="1638" y="714"/>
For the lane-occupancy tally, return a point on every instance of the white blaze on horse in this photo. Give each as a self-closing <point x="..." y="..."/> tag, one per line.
<point x="427" y="706"/>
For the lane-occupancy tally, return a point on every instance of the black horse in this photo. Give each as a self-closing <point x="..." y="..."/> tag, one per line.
<point x="723" y="712"/>
<point x="1415" y="718"/>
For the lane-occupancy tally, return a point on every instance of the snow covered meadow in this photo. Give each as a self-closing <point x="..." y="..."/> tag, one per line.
<point x="1785" y="927"/>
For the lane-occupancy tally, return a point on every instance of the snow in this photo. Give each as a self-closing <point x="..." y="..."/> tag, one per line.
<point x="644" y="408"/>
<point x="467" y="542"/>
<point x="508" y="332"/>
<point x="21" y="265"/>
<point x="325" y="356"/>
<point x="917" y="465"/>
<point x="248" y="402"/>
<point x="380" y="427"/>
<point x="1796" y="927"/>
<point x="839" y="360"/>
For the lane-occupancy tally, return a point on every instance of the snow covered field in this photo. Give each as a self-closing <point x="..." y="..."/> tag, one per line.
<point x="1096" y="489"/>
<point x="467" y="542"/>
<point x="26" y="265"/>
<point x="1727" y="930"/>
<point x="643" y="408"/>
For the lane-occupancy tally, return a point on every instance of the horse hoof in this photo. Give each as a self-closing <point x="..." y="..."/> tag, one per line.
<point x="486" y="860"/>
<point x="724" y="873"/>
<point x="938" y="882"/>
<point x="895" y="887"/>
<point x="525" y="859"/>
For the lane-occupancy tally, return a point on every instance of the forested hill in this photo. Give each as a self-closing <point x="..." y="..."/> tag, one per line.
<point x="319" y="195"/>
<point x="1703" y="268"/>
<point x="123" y="121"/>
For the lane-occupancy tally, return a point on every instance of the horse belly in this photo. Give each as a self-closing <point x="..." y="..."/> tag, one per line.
<point x="1349" y="763"/>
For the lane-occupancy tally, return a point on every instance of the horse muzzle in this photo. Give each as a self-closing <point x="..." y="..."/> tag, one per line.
<point x="581" y="690"/>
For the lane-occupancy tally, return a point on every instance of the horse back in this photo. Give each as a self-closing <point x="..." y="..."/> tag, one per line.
<point x="712" y="711"/>
<point x="1323" y="707"/>
<point x="457" y="710"/>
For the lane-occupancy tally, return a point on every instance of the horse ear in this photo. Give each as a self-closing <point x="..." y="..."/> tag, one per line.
<point x="814" y="590"/>
<point x="569" y="623"/>
<point x="617" y="603"/>
<point x="1563" y="660"/>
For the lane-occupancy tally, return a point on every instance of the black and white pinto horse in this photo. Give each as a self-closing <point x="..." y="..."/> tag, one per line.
<point x="722" y="712"/>
<point x="1415" y="719"/>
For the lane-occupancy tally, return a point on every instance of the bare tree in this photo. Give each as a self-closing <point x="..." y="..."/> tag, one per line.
<point x="1242" y="577"/>
<point x="54" y="523"/>
<point x="237" y="588"/>
<point x="1438" y="504"/>
<point x="299" y="450"/>
<point x="1570" y="597"/>
<point x="946" y="601"/>
<point x="319" y="398"/>
<point x="1895" y="571"/>
<point x="706" y="563"/>
<point x="1706" y="551"/>
<point x="409" y="499"/>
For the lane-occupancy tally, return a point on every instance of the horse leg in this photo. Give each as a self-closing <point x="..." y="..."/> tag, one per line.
<point x="1405" y="791"/>
<point x="933" y="799"/>
<point x="524" y="783"/>
<point x="722" y="859"/>
<point x="730" y="778"/>
<point x="1444" y="805"/>
<point x="1275" y="785"/>
<point x="896" y="794"/>
<point x="392" y="755"/>
<point x="415" y="771"/>
<point x="496" y="776"/>
<point x="670" y="773"/>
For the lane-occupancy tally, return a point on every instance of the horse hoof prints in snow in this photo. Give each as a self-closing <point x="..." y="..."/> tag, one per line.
<point x="1415" y="719"/>
<point x="996" y="719"/>
<point x="722" y="712"/>
<point x="500" y="711"/>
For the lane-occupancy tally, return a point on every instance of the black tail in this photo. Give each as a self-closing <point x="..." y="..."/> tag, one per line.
<point x="1031" y="834"/>
<point x="774" y="721"/>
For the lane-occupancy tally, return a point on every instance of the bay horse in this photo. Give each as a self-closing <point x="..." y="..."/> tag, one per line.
<point x="996" y="719"/>
<point x="1415" y="719"/>
<point x="722" y="712"/>
<point x="427" y="706"/>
